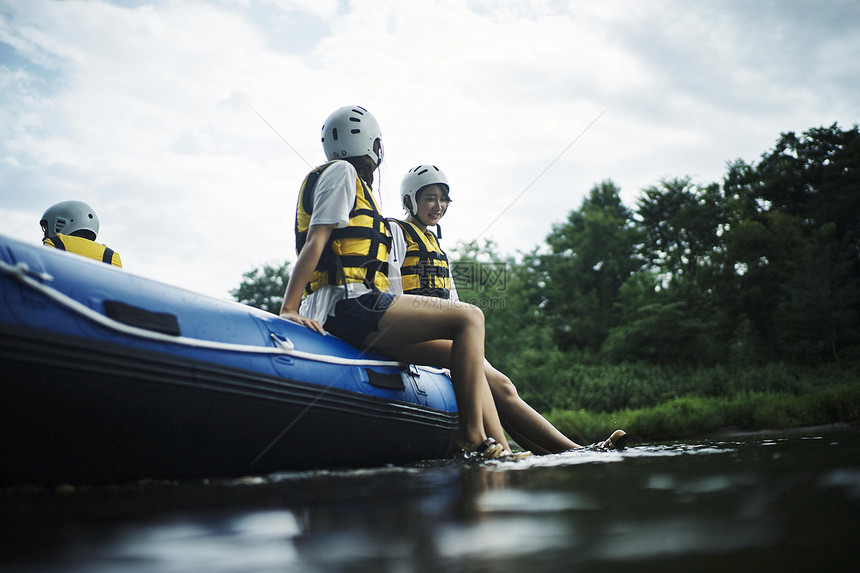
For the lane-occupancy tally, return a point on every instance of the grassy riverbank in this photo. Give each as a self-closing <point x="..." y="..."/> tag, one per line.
<point x="704" y="401"/>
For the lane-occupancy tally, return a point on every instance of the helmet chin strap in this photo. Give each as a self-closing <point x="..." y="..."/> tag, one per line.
<point x="438" y="226"/>
<point x="412" y="209"/>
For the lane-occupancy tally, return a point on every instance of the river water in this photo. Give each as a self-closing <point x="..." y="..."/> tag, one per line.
<point x="767" y="502"/>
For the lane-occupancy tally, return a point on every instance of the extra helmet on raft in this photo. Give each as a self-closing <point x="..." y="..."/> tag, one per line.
<point x="416" y="179"/>
<point x="69" y="217"/>
<point x="351" y="131"/>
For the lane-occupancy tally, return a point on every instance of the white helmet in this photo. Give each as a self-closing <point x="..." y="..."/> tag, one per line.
<point x="68" y="217"/>
<point x="351" y="131"/>
<point x="416" y="179"/>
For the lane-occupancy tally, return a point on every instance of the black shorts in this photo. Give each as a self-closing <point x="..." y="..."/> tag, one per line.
<point x="356" y="318"/>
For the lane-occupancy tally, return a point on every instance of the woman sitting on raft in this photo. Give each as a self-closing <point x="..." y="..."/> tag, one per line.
<point x="342" y="242"/>
<point x="418" y="266"/>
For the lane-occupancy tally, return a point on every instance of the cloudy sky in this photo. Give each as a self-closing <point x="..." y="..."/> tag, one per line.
<point x="189" y="125"/>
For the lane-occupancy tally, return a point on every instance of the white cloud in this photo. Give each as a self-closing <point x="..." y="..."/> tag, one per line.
<point x="320" y="8"/>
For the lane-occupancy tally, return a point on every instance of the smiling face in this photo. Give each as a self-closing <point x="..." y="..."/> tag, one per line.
<point x="432" y="203"/>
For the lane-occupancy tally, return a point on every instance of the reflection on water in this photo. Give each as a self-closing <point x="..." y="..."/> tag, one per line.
<point x="771" y="503"/>
<point x="243" y="542"/>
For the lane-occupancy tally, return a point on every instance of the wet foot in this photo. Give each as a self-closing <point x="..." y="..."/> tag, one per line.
<point x="617" y="441"/>
<point x="489" y="449"/>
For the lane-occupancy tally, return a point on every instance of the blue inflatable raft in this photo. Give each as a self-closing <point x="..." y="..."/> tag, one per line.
<point x="108" y="377"/>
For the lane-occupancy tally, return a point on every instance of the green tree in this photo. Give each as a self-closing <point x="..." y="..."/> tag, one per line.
<point x="506" y="290"/>
<point x="591" y="255"/>
<point x="668" y="310"/>
<point x="681" y="225"/>
<point x="794" y="243"/>
<point x="263" y="287"/>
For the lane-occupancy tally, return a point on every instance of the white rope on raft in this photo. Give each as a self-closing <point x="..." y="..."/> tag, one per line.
<point x="284" y="347"/>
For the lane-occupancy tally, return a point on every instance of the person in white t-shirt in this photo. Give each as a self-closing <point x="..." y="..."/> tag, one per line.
<point x="342" y="242"/>
<point x="418" y="265"/>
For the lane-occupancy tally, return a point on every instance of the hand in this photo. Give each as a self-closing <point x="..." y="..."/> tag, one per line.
<point x="294" y="316"/>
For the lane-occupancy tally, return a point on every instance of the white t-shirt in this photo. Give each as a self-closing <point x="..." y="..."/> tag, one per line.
<point x="395" y="259"/>
<point x="333" y="200"/>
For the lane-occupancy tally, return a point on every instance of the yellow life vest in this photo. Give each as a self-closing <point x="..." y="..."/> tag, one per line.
<point x="84" y="247"/>
<point x="425" y="269"/>
<point x="357" y="253"/>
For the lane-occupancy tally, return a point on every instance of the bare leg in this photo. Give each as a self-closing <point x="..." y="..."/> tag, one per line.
<point x="528" y="427"/>
<point x="438" y="353"/>
<point x="524" y="423"/>
<point x="463" y="325"/>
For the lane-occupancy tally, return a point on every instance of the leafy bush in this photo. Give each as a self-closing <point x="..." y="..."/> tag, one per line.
<point x="686" y="417"/>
